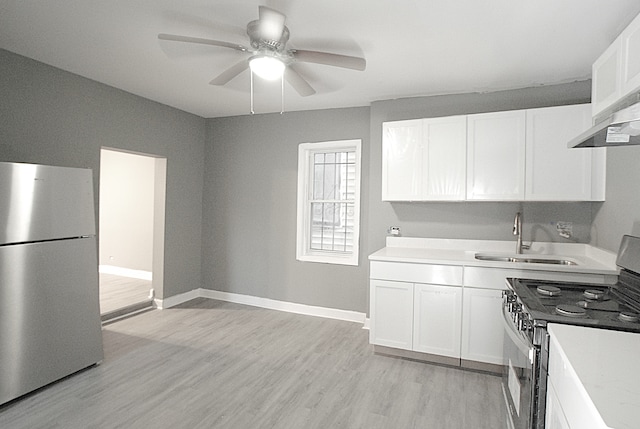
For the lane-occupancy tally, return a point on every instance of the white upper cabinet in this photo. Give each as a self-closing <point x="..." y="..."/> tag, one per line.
<point x="616" y="73"/>
<point x="630" y="58"/>
<point x="401" y="160"/>
<point x="517" y="155"/>
<point x="605" y="83"/>
<point x="424" y="159"/>
<point x="496" y="156"/>
<point x="444" y="158"/>
<point x="553" y="171"/>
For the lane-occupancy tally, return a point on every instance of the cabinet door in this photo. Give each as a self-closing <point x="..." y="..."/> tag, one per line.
<point x="555" y="418"/>
<point x="444" y="158"/>
<point x="391" y="314"/>
<point x="605" y="72"/>
<point x="437" y="319"/>
<point x="630" y="47"/>
<point x="482" y="332"/>
<point x="495" y="156"/>
<point x="401" y="160"/>
<point x="553" y="171"/>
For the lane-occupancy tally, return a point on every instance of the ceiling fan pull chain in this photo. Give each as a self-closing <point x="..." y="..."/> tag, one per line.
<point x="282" y="94"/>
<point x="251" y="80"/>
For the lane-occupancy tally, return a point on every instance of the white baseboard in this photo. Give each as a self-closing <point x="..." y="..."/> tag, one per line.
<point x="125" y="272"/>
<point x="172" y="301"/>
<point x="272" y="304"/>
<point x="367" y="323"/>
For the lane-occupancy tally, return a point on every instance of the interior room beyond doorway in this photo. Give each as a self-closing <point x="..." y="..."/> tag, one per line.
<point x="131" y="240"/>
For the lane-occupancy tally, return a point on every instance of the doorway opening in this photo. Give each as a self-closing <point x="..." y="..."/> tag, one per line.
<point x="131" y="231"/>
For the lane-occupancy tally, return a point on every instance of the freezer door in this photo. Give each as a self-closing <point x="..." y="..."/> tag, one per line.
<point x="49" y="313"/>
<point x="40" y="202"/>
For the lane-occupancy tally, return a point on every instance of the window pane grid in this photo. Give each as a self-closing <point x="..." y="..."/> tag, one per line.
<point x="332" y="203"/>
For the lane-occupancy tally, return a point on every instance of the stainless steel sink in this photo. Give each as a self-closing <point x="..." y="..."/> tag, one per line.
<point x="524" y="259"/>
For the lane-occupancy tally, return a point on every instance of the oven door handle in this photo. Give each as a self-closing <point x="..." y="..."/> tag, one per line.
<point x="520" y="341"/>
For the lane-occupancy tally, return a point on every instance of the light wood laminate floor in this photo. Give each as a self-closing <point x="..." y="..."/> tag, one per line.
<point x="118" y="292"/>
<point x="212" y="364"/>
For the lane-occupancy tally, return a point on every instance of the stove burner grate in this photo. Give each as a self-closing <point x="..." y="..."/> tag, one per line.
<point x="595" y="294"/>
<point x="547" y="290"/>
<point x="570" y="310"/>
<point x="627" y="316"/>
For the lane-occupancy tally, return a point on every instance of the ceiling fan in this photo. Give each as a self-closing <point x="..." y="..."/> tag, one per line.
<point x="269" y="58"/>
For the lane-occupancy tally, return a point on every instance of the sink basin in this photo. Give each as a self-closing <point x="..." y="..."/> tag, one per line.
<point x="527" y="259"/>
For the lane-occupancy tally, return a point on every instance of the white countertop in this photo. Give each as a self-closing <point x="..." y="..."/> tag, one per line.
<point x="606" y="365"/>
<point x="589" y="259"/>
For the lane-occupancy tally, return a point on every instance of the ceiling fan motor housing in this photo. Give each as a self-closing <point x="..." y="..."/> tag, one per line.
<point x="263" y="43"/>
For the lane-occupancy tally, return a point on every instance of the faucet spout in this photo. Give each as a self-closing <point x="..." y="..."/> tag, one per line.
<point x="517" y="231"/>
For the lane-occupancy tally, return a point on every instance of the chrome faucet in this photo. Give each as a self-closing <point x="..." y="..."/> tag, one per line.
<point x="517" y="230"/>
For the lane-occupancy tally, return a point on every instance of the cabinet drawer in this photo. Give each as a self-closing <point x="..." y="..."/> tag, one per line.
<point x="417" y="273"/>
<point x="494" y="278"/>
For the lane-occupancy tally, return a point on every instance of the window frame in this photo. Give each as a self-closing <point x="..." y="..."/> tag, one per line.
<point x="306" y="152"/>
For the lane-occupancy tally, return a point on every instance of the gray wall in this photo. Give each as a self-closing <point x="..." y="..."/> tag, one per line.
<point x="473" y="220"/>
<point x="249" y="226"/>
<point x="239" y="234"/>
<point x="53" y="117"/>
<point x="620" y="213"/>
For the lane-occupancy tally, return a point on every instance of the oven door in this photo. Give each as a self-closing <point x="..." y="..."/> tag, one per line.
<point x="518" y="375"/>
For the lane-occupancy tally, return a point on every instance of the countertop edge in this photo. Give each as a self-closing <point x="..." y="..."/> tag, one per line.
<point x="589" y="259"/>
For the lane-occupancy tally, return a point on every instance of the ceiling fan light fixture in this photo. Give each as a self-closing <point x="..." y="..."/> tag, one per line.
<point x="267" y="67"/>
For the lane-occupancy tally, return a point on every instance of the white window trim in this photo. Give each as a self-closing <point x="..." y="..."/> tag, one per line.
<point x="303" y="251"/>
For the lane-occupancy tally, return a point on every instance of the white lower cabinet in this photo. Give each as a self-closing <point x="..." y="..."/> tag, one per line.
<point x="391" y="314"/>
<point x="482" y="334"/>
<point x="415" y="316"/>
<point x="555" y="418"/>
<point x="416" y="307"/>
<point x="446" y="310"/>
<point x="437" y="319"/>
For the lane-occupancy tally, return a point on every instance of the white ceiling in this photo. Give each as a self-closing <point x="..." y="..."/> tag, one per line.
<point x="412" y="47"/>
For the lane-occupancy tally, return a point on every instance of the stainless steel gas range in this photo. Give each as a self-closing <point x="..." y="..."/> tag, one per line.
<point x="528" y="305"/>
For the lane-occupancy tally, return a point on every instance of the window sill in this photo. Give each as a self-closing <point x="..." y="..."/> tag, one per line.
<point x="324" y="259"/>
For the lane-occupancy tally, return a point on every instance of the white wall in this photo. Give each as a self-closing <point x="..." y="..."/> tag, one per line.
<point x="126" y="210"/>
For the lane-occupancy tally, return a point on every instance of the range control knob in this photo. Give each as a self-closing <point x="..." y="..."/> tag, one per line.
<point x="524" y="322"/>
<point x="508" y="296"/>
<point x="521" y="322"/>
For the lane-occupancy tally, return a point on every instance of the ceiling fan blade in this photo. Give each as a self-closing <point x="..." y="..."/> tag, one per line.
<point x="271" y="23"/>
<point x="230" y="73"/>
<point x="298" y="83"/>
<point x="336" y="60"/>
<point x="187" y="39"/>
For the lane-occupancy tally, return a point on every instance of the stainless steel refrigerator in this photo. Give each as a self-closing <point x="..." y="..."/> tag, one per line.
<point x="49" y="301"/>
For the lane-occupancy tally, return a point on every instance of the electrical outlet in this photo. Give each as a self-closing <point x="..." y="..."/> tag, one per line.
<point x="394" y="231"/>
<point x="565" y="229"/>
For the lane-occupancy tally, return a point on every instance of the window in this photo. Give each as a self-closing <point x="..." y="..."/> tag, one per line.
<point x="329" y="202"/>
